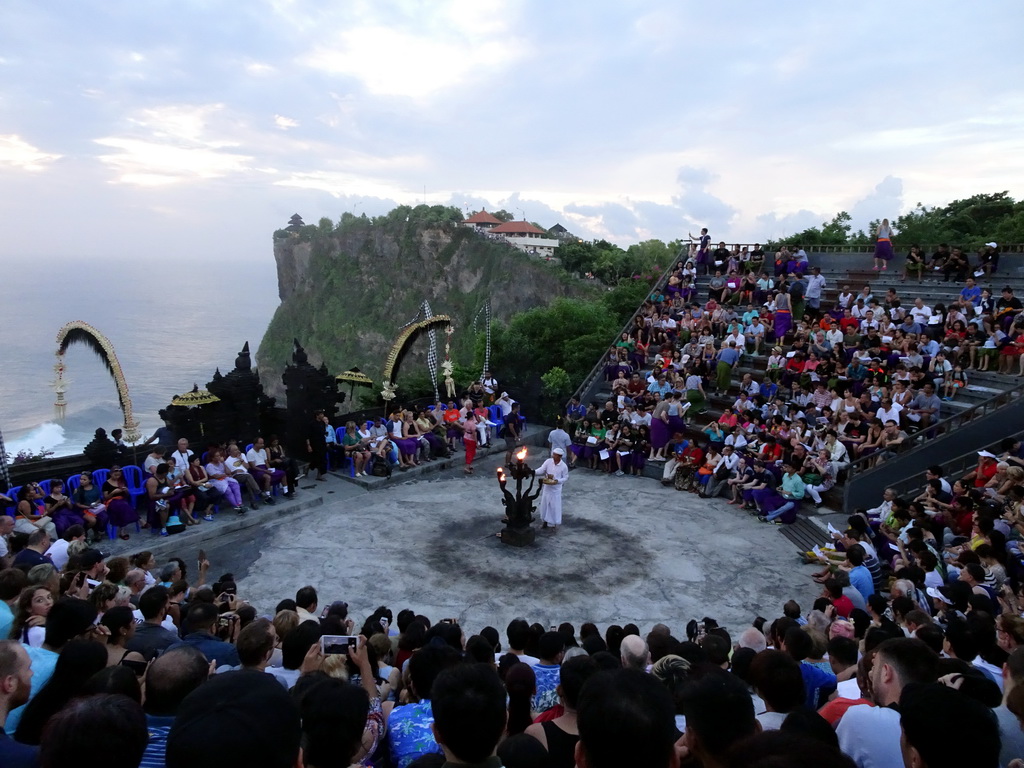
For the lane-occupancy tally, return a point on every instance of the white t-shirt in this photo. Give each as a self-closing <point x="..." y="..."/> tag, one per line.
<point x="921" y="315"/>
<point x="771" y="721"/>
<point x="848" y="689"/>
<point x="181" y="460"/>
<point x="814" y="285"/>
<point x="236" y="463"/>
<point x="871" y="736"/>
<point x="893" y="414"/>
<point x="257" y="458"/>
<point x="530" y="660"/>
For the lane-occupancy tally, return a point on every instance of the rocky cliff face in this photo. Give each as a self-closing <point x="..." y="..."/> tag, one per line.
<point x="346" y="293"/>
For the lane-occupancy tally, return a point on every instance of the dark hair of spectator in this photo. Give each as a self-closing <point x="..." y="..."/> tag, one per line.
<point x="626" y="717"/>
<point x="468" y="703"/>
<point x="521" y="684"/>
<point x="78" y="661"/>
<point x="106" y="725"/>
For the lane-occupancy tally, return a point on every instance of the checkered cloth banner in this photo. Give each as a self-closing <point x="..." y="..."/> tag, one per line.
<point x="432" y="349"/>
<point x="485" y="310"/>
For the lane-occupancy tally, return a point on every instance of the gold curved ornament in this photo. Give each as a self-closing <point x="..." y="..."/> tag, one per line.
<point x="403" y="337"/>
<point x="76" y="330"/>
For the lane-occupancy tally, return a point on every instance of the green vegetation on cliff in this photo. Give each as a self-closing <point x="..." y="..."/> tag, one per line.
<point x="347" y="289"/>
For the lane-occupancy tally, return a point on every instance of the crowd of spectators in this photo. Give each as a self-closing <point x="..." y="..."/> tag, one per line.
<point x="817" y="389"/>
<point x="911" y="654"/>
<point x="131" y="660"/>
<point x="182" y="488"/>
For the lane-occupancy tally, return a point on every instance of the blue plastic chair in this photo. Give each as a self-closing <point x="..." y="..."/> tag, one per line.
<point x="248" y="447"/>
<point x="44" y="486"/>
<point x="135" y="479"/>
<point x="12" y="509"/>
<point x="340" y="432"/>
<point x="99" y="477"/>
<point x="71" y="484"/>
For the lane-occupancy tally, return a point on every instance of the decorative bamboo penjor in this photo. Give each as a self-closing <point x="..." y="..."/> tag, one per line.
<point x="77" y="332"/>
<point x="405" y="338"/>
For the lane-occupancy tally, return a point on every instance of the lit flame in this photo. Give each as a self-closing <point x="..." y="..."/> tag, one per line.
<point x="501" y="475"/>
<point x="522" y="454"/>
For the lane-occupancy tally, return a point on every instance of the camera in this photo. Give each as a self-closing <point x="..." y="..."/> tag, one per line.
<point x="337" y="644"/>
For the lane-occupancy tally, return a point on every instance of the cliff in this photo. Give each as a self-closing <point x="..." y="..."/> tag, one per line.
<point x="346" y="291"/>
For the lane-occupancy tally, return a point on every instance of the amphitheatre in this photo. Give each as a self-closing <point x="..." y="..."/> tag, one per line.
<point x="631" y="550"/>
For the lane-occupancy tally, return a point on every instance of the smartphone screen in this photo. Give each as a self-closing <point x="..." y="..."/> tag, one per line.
<point x="337" y="644"/>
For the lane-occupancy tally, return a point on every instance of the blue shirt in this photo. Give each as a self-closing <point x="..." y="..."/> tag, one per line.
<point x="15" y="755"/>
<point x="547" y="681"/>
<point x="860" y="579"/>
<point x="155" y="755"/>
<point x="410" y="734"/>
<point x="213" y="649"/>
<point x="6" y="619"/>
<point x="972" y="295"/>
<point x="43" y="663"/>
<point x="728" y="355"/>
<point x="817" y="684"/>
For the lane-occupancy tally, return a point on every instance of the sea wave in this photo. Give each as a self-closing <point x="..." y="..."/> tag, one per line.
<point x="46" y="437"/>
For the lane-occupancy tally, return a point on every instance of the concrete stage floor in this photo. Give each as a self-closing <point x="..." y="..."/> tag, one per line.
<point x="629" y="550"/>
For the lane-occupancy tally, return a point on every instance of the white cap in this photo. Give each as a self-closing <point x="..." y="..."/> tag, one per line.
<point x="987" y="455"/>
<point x="992" y="245"/>
<point x="934" y="592"/>
<point x="558" y="452"/>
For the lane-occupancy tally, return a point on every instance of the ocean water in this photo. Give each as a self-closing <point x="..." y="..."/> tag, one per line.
<point x="170" y="328"/>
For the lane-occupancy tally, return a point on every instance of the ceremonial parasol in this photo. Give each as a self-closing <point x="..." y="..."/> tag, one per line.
<point x="194" y="399"/>
<point x="354" y="377"/>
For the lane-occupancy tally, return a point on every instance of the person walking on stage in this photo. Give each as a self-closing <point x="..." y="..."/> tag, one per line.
<point x="553" y="473"/>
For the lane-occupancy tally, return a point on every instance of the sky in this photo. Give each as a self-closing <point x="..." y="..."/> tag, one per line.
<point x="190" y="130"/>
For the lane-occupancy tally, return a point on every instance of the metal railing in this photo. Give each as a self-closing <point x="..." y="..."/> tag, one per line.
<point x="946" y="426"/>
<point x="583" y="391"/>
<point x="952" y="469"/>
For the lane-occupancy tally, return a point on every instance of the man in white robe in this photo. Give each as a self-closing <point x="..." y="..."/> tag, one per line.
<point x="555" y="471"/>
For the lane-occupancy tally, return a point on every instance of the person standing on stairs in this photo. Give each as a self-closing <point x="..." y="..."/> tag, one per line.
<point x="883" y="246"/>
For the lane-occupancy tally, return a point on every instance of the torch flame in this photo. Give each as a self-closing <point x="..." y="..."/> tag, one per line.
<point x="522" y="454"/>
<point x="501" y="474"/>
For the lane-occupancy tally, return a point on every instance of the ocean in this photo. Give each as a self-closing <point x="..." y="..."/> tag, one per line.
<point x="171" y="328"/>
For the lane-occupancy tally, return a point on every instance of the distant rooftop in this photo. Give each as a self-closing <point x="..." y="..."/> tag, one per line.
<point x="517" y="228"/>
<point x="483" y="217"/>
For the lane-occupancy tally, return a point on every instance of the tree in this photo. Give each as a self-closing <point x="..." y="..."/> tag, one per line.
<point x="555" y="389"/>
<point x="503" y="215"/>
<point x="836" y="231"/>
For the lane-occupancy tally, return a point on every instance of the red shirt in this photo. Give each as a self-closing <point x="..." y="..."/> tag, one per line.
<point x="986" y="469"/>
<point x="843" y="606"/>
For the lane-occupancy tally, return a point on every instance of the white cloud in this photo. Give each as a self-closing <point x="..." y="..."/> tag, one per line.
<point x="391" y="62"/>
<point x="15" y="152"/>
<point x="174" y="143"/>
<point x="149" y="163"/>
<point x="339" y="184"/>
<point x="284" y="123"/>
